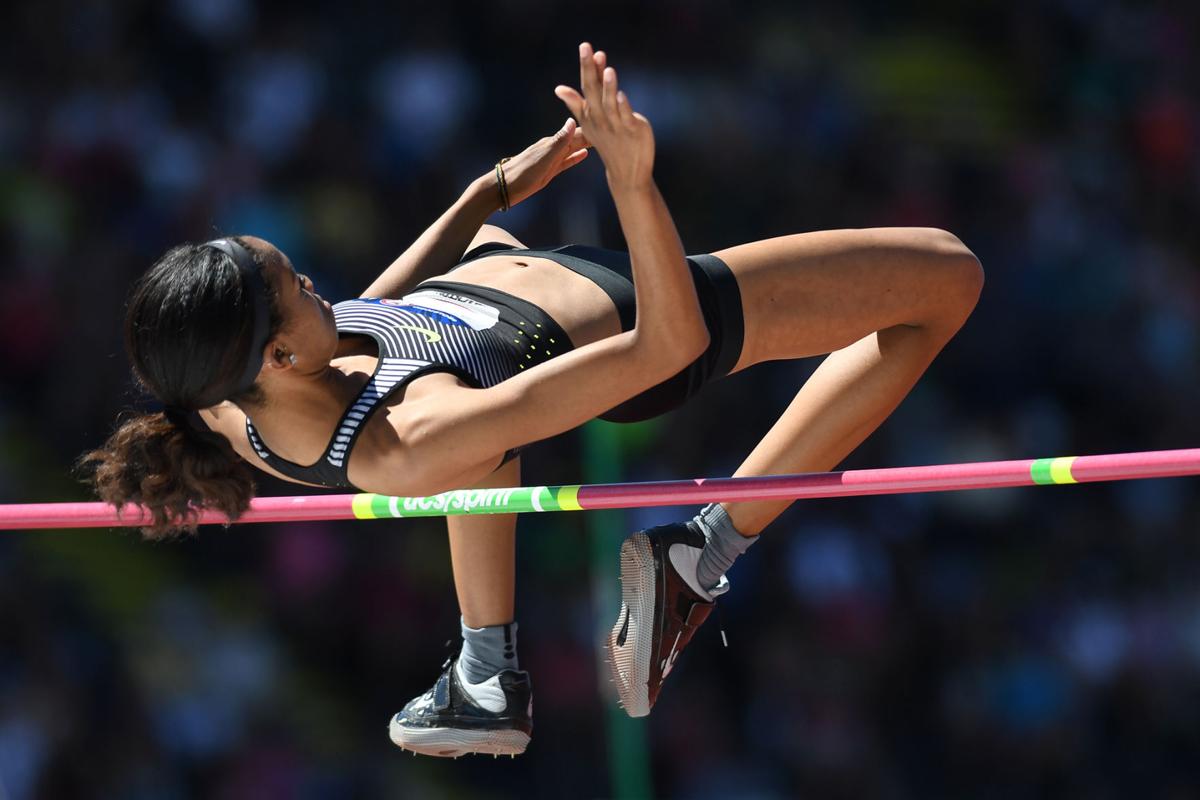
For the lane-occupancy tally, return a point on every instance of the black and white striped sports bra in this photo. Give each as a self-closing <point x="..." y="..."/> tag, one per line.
<point x="482" y="335"/>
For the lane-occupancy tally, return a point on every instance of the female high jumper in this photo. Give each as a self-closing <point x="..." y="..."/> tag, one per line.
<point x="470" y="345"/>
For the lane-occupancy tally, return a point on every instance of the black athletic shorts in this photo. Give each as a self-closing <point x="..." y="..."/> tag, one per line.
<point x="720" y="303"/>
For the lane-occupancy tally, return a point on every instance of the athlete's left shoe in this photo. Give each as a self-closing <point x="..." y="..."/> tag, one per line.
<point x="456" y="717"/>
<point x="662" y="606"/>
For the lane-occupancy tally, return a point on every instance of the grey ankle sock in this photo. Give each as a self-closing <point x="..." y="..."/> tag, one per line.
<point x="486" y="651"/>
<point x="724" y="544"/>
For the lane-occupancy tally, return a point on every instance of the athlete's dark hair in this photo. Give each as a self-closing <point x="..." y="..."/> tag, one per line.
<point x="189" y="326"/>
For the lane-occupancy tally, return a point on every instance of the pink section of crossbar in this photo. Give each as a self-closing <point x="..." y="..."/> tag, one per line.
<point x="896" y="480"/>
<point x="100" y="515"/>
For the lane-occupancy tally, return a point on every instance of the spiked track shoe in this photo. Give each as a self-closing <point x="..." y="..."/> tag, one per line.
<point x="454" y="718"/>
<point x="660" y="611"/>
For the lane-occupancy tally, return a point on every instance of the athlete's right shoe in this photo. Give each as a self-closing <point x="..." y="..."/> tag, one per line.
<point x="662" y="605"/>
<point x="455" y="717"/>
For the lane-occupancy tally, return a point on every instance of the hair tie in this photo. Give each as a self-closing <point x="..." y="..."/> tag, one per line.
<point x="179" y="417"/>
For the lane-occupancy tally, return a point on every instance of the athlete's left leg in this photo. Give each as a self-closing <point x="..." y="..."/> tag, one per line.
<point x="882" y="302"/>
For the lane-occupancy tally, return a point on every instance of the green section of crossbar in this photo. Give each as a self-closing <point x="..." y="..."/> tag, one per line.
<point x="521" y="500"/>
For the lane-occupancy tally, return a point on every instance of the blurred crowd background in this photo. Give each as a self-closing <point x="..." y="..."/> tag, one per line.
<point x="1018" y="643"/>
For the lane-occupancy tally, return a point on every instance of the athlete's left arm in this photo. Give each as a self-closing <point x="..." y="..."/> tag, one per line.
<point x="444" y="242"/>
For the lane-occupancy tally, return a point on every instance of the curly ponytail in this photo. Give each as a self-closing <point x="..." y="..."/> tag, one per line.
<point x="173" y="470"/>
<point x="189" y="334"/>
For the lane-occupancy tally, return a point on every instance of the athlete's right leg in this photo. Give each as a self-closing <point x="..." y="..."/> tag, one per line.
<point x="483" y="557"/>
<point x="481" y="702"/>
<point x="480" y="713"/>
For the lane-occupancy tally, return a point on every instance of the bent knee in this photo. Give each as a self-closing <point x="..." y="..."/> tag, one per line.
<point x="959" y="275"/>
<point x="955" y="276"/>
<point x="940" y="242"/>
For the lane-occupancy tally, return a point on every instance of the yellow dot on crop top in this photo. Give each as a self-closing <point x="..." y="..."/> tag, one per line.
<point x="520" y="323"/>
<point x="536" y="336"/>
<point x="521" y="332"/>
<point x="528" y="356"/>
<point x="551" y="341"/>
<point x="516" y="341"/>
<point x="538" y="324"/>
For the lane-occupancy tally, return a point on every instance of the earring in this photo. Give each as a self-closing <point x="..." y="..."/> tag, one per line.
<point x="292" y="358"/>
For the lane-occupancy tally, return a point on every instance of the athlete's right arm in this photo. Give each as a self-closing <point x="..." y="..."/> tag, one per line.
<point x="625" y="142"/>
<point x="457" y="435"/>
<point x="453" y="437"/>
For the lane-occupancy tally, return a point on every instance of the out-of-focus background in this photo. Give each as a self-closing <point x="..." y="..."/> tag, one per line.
<point x="1031" y="642"/>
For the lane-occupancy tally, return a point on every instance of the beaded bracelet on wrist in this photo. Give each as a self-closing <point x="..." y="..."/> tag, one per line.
<point x="502" y="184"/>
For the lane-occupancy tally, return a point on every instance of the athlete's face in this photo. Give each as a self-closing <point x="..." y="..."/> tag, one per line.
<point x="308" y="330"/>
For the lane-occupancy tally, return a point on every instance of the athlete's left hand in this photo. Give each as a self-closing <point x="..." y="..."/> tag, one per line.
<point x="530" y="170"/>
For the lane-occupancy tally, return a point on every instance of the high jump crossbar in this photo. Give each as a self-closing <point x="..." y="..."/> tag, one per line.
<point x="854" y="482"/>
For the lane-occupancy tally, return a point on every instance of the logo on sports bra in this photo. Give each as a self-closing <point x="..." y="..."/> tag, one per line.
<point x="430" y="336"/>
<point x="453" y="309"/>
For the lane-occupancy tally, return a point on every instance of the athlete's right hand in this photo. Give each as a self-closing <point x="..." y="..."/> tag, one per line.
<point x="621" y="136"/>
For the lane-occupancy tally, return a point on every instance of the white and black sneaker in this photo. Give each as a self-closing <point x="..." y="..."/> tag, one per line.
<point x="662" y="605"/>
<point x="456" y="717"/>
